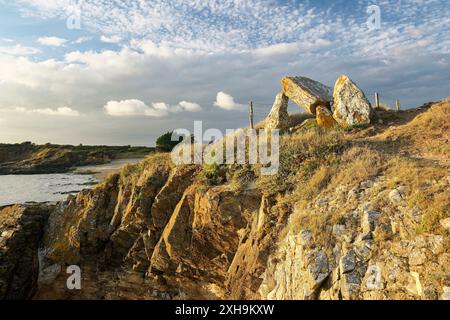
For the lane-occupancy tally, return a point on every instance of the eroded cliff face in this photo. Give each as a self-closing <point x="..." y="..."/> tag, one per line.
<point x="21" y="228"/>
<point x="154" y="233"/>
<point x="373" y="252"/>
<point x="350" y="215"/>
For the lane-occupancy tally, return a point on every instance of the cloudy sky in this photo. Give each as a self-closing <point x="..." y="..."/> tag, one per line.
<point x="123" y="72"/>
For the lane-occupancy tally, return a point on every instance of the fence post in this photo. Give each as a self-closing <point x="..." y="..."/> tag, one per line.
<point x="397" y="103"/>
<point x="377" y="100"/>
<point x="250" y="112"/>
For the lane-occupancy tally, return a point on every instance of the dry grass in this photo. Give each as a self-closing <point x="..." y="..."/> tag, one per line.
<point x="136" y="173"/>
<point x="355" y="165"/>
<point x="318" y="181"/>
<point x="315" y="164"/>
<point x="300" y="156"/>
<point x="427" y="189"/>
<point x="320" y="224"/>
<point x="427" y="135"/>
<point x="358" y="164"/>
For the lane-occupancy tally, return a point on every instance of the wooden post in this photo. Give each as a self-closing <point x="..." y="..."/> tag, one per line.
<point x="377" y="100"/>
<point x="397" y="103"/>
<point x="250" y="112"/>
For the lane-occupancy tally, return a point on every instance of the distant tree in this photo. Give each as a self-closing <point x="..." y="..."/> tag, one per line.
<point x="165" y="143"/>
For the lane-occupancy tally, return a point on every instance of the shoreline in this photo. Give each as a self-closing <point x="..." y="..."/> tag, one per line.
<point x="81" y="170"/>
<point x="29" y="158"/>
<point x="55" y="187"/>
<point x="102" y="171"/>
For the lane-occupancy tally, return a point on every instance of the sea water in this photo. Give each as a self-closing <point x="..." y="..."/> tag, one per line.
<point x="16" y="189"/>
<point x="19" y="189"/>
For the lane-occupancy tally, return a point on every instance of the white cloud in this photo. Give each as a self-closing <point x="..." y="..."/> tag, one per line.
<point x="62" y="111"/>
<point x="226" y="101"/>
<point x="277" y="49"/>
<point x="19" y="50"/>
<point x="165" y="49"/>
<point x="51" y="41"/>
<point x="292" y="48"/>
<point x="134" y="107"/>
<point x="218" y="25"/>
<point x="210" y="25"/>
<point x="82" y="40"/>
<point x="190" y="106"/>
<point x="111" y="39"/>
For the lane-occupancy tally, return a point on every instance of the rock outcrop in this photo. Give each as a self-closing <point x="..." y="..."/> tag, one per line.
<point x="351" y="106"/>
<point x="202" y="233"/>
<point x="21" y="228"/>
<point x="368" y="256"/>
<point x="118" y="209"/>
<point x="306" y="92"/>
<point x="303" y="280"/>
<point x="171" y="236"/>
<point x="256" y="242"/>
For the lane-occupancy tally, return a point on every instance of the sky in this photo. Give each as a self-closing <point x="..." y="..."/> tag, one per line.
<point x="124" y="72"/>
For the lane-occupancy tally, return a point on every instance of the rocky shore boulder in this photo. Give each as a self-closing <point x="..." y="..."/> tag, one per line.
<point x="306" y="92"/>
<point x="21" y="228"/>
<point x="351" y="106"/>
<point x="279" y="116"/>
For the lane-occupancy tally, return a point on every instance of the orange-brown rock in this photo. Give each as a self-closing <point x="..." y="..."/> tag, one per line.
<point x="202" y="233"/>
<point x="325" y="118"/>
<point x="21" y="228"/>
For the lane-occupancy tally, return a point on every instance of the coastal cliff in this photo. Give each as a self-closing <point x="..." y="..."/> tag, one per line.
<point x="353" y="213"/>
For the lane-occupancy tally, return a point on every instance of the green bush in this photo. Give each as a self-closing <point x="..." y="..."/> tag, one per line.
<point x="214" y="174"/>
<point x="165" y="144"/>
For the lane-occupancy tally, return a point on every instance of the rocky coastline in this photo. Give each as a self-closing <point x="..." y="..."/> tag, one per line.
<point x="359" y="210"/>
<point x="29" y="158"/>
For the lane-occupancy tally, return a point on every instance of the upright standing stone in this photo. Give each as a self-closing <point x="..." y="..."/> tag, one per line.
<point x="279" y="116"/>
<point x="351" y="106"/>
<point x="306" y="92"/>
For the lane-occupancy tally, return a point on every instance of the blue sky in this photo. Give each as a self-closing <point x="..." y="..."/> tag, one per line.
<point x="137" y="68"/>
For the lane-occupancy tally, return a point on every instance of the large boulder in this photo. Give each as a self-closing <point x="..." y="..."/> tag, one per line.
<point x="351" y="106"/>
<point x="306" y="92"/>
<point x="279" y="116"/>
<point x="325" y="118"/>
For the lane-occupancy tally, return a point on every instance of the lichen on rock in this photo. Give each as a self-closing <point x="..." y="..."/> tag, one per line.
<point x="307" y="93"/>
<point x="350" y="105"/>
<point x="278" y="117"/>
